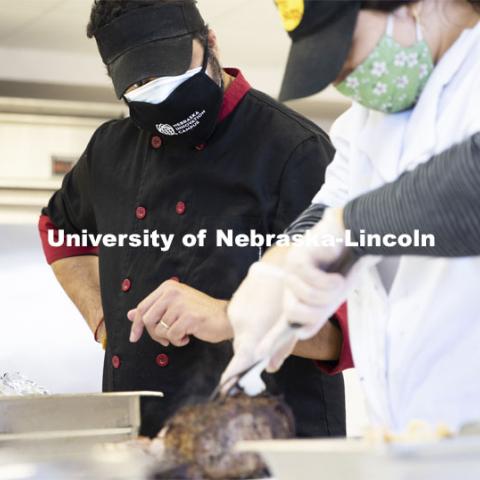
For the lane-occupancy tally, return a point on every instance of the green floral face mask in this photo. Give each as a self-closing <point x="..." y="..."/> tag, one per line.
<point x="392" y="77"/>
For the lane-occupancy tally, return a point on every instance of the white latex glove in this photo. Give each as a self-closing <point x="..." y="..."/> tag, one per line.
<point x="311" y="295"/>
<point x="277" y="344"/>
<point x="255" y="307"/>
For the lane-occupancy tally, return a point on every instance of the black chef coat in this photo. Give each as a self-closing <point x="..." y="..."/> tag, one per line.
<point x="259" y="170"/>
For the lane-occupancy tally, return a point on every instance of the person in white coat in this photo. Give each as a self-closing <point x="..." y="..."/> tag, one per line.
<point x="412" y="69"/>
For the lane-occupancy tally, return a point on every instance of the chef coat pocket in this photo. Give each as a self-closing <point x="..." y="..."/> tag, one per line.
<point x="232" y="244"/>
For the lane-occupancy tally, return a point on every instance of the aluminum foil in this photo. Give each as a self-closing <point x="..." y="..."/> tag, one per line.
<point x="13" y="384"/>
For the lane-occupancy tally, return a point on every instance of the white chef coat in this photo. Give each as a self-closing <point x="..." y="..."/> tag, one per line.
<point x="416" y="346"/>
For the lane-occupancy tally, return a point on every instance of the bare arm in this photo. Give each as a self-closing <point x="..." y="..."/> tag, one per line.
<point x="79" y="277"/>
<point x="324" y="346"/>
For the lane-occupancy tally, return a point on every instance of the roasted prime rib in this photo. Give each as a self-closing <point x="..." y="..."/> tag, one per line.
<point x="199" y="439"/>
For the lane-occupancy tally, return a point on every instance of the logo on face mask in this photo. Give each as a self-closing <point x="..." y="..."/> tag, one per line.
<point x="166" y="129"/>
<point x="182" y="127"/>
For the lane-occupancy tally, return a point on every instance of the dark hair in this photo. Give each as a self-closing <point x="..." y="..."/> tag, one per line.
<point x="391" y="5"/>
<point x="104" y="11"/>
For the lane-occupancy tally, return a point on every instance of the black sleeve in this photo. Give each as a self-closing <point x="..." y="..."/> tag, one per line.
<point x="440" y="197"/>
<point x="71" y="207"/>
<point x="307" y="220"/>
<point x="303" y="175"/>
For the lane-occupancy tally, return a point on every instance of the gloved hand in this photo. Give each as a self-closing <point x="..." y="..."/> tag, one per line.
<point x="314" y="295"/>
<point x="311" y="295"/>
<point x="254" y="309"/>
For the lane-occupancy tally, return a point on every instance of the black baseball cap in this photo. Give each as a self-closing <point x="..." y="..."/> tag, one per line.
<point x="148" y="42"/>
<point x="321" y="33"/>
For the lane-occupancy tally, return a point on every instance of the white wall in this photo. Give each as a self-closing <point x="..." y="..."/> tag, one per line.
<point x="27" y="143"/>
<point x="43" y="336"/>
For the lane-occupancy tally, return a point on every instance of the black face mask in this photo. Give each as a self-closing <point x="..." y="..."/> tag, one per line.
<point x="188" y="115"/>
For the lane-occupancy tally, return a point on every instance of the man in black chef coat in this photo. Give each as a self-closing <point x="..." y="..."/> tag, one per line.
<point x="200" y="150"/>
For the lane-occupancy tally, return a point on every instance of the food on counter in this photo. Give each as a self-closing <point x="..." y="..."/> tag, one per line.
<point x="200" y="439"/>
<point x="417" y="431"/>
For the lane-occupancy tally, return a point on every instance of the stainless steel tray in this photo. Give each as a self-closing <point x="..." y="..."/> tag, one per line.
<point x="99" y="417"/>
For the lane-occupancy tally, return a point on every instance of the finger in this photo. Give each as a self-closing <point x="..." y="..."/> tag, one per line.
<point x="276" y="361"/>
<point x="155" y="314"/>
<point x="301" y="293"/>
<point x="302" y="314"/>
<point x="170" y="298"/>
<point x="242" y="359"/>
<point x="163" y="342"/>
<point x="159" y="335"/>
<point x="136" y="331"/>
<point x="178" y="333"/>
<point x="276" y="338"/>
<point x="312" y="319"/>
<point x="150" y="299"/>
<point x="325" y="255"/>
<point x="305" y="293"/>
<point x="160" y="331"/>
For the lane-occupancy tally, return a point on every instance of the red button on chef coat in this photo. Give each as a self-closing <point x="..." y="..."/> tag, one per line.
<point x="200" y="147"/>
<point x="116" y="361"/>
<point x="162" y="360"/>
<point x="126" y="285"/>
<point x="156" y="142"/>
<point x="180" y="208"/>
<point x="140" y="213"/>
